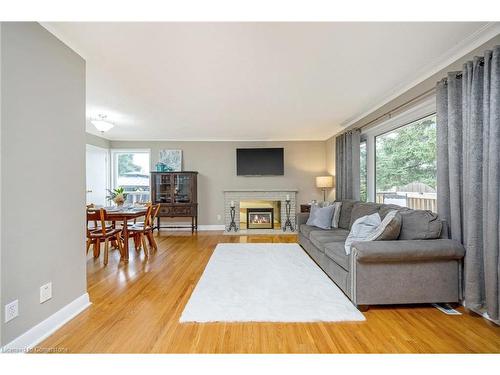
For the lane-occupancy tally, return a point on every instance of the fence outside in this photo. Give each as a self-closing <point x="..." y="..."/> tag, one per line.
<point x="416" y="201"/>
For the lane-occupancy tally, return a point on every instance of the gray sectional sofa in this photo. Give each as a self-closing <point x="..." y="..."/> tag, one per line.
<point x="421" y="266"/>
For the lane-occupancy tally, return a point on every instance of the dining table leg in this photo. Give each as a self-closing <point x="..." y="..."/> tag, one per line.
<point x="125" y="240"/>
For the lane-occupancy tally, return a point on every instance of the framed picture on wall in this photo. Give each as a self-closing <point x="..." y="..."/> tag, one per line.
<point x="172" y="159"/>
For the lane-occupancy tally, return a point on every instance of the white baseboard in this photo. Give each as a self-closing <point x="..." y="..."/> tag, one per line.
<point x="212" y="227"/>
<point x="42" y="330"/>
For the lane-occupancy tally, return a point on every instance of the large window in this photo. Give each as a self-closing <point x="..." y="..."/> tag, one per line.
<point x="405" y="165"/>
<point x="131" y="171"/>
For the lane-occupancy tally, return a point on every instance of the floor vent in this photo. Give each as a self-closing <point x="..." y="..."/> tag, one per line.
<point x="446" y="308"/>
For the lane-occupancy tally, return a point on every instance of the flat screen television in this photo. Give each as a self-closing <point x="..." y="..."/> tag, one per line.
<point x="259" y="162"/>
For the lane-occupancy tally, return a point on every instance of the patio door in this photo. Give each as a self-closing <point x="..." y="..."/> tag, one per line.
<point x="97" y="174"/>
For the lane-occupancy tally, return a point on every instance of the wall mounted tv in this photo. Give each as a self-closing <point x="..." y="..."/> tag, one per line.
<point x="259" y="162"/>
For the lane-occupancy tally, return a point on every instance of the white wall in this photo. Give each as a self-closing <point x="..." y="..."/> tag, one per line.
<point x="42" y="166"/>
<point x="94" y="140"/>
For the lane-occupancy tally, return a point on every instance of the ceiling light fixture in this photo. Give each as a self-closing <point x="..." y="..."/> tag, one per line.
<point x="101" y="124"/>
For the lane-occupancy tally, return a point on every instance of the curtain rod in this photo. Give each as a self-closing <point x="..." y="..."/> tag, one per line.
<point x="391" y="112"/>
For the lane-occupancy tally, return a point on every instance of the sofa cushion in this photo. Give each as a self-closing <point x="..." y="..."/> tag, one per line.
<point x="419" y="225"/>
<point x="336" y="214"/>
<point x="345" y="214"/>
<point x="336" y="252"/>
<point x="389" y="228"/>
<point x="362" y="230"/>
<point x="320" y="238"/>
<point x="363" y="209"/>
<point x="307" y="229"/>
<point x="386" y="208"/>
<point x="321" y="217"/>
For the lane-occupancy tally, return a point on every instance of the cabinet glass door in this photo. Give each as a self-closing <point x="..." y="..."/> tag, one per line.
<point x="182" y="188"/>
<point x="163" y="189"/>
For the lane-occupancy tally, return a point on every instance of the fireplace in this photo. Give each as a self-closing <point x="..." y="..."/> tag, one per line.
<point x="243" y="199"/>
<point x="260" y="218"/>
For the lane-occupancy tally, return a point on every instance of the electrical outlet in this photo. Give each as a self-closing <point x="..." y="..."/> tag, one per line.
<point x="219" y="217"/>
<point x="45" y="292"/>
<point x="11" y="310"/>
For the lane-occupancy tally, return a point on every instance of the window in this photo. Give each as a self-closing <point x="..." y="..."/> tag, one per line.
<point x="131" y="171"/>
<point x="363" y="186"/>
<point x="405" y="165"/>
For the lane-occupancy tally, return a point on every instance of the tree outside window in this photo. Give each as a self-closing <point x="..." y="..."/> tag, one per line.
<point x="406" y="165"/>
<point x="363" y="187"/>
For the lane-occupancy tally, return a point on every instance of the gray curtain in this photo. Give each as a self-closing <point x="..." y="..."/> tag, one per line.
<point x="468" y="166"/>
<point x="347" y="165"/>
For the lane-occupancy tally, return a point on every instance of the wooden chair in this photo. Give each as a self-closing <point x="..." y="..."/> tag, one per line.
<point x="95" y="224"/>
<point x="154" y="214"/>
<point x="104" y="233"/>
<point x="141" y="231"/>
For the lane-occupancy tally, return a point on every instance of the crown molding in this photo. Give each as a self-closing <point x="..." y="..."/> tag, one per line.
<point x="481" y="36"/>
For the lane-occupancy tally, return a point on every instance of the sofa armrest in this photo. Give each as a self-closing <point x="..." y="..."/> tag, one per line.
<point x="407" y="250"/>
<point x="302" y="218"/>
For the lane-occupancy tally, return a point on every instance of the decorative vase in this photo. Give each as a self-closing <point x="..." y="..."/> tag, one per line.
<point x="119" y="200"/>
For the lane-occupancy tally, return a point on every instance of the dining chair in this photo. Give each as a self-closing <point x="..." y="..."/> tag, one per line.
<point x="149" y="232"/>
<point x="154" y="214"/>
<point x="103" y="232"/>
<point x="140" y="231"/>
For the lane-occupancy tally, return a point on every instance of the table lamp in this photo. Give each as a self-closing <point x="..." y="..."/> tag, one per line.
<point x="324" y="182"/>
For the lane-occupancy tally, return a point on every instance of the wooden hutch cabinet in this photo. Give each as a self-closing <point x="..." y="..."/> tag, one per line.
<point x="177" y="193"/>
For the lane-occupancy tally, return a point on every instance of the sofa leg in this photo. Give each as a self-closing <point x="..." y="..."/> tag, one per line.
<point x="362" y="308"/>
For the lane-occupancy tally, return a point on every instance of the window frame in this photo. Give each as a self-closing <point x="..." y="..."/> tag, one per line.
<point x="114" y="152"/>
<point x="422" y="109"/>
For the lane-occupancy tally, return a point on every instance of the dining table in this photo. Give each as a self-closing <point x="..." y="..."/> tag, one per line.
<point x="123" y="215"/>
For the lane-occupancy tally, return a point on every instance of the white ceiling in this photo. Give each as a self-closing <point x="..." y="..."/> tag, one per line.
<point x="252" y="81"/>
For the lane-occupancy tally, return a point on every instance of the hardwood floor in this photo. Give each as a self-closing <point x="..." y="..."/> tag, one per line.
<point x="136" y="308"/>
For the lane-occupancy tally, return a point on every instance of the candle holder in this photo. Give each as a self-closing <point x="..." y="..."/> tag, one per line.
<point x="232" y="224"/>
<point x="288" y="222"/>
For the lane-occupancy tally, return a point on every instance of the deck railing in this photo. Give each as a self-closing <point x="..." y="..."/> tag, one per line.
<point x="137" y="196"/>
<point x="416" y="201"/>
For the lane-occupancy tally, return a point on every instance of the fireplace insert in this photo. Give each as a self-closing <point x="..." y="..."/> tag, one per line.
<point x="260" y="218"/>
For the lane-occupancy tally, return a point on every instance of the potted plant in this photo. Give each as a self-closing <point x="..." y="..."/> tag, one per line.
<point x="117" y="195"/>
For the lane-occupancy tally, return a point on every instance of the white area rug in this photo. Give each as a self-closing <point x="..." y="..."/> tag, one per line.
<point x="266" y="283"/>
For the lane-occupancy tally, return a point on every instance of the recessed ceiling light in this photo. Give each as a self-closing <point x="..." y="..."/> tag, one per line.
<point x="101" y="124"/>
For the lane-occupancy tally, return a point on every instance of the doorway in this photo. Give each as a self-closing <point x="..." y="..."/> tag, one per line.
<point x="97" y="174"/>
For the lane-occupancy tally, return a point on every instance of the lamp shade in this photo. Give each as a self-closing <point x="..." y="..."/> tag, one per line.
<point x="323" y="182"/>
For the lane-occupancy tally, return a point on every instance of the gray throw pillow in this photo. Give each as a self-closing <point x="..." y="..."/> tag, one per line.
<point x="389" y="228"/>
<point x="362" y="229"/>
<point x="321" y="217"/>
<point x="419" y="225"/>
<point x="336" y="214"/>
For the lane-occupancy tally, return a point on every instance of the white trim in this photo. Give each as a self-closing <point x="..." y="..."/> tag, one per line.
<point x="47" y="327"/>
<point x="211" y="227"/>
<point x="481" y="36"/>
<point x="419" y="110"/>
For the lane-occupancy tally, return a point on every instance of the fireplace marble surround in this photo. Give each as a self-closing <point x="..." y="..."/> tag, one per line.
<point x="238" y="195"/>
